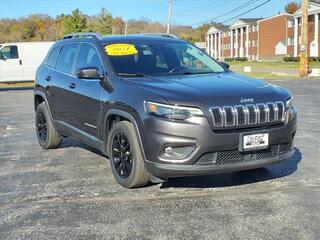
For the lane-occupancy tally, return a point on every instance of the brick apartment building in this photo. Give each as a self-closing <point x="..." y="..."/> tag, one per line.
<point x="265" y="39"/>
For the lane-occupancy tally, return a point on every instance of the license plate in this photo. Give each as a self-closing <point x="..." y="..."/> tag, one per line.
<point x="255" y="141"/>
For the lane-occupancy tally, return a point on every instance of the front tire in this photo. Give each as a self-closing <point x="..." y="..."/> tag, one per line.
<point x="126" y="159"/>
<point x="46" y="133"/>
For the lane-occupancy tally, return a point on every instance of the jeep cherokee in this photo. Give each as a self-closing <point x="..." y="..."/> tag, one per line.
<point x="159" y="107"/>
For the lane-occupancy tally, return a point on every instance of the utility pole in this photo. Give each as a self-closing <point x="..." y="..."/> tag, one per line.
<point x="169" y="15"/>
<point x="126" y="28"/>
<point x="304" y="59"/>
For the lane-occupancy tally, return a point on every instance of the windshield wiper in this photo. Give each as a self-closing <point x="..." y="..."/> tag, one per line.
<point x="192" y="73"/>
<point x="132" y="74"/>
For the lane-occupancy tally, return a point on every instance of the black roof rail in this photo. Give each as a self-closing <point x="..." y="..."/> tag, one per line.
<point x="167" y="35"/>
<point x="83" y="35"/>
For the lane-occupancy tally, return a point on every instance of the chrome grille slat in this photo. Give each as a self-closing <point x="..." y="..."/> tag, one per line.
<point x="241" y="115"/>
<point x="272" y="112"/>
<point x="249" y="114"/>
<point x="229" y="116"/>
<point x="281" y="110"/>
<point x="263" y="118"/>
<point x="217" y="116"/>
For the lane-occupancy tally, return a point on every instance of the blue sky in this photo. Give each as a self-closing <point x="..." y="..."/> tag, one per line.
<point x="189" y="12"/>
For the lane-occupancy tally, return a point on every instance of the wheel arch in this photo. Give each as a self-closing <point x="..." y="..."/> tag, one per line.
<point x="40" y="97"/>
<point x="120" y="115"/>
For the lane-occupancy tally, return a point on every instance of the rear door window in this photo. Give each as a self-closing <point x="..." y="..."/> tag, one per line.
<point x="52" y="59"/>
<point x="66" y="59"/>
<point x="10" y="52"/>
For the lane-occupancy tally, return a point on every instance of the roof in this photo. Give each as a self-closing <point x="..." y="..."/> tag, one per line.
<point x="314" y="8"/>
<point x="220" y="26"/>
<point x="129" y="38"/>
<point x="315" y="1"/>
<point x="287" y="15"/>
<point x="140" y="37"/>
<point x="217" y="28"/>
<point x="250" y="20"/>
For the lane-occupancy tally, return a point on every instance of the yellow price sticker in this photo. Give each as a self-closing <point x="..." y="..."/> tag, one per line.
<point x="120" y="49"/>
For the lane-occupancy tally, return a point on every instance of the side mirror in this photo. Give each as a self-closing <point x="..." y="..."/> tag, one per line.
<point x="88" y="73"/>
<point x="225" y="65"/>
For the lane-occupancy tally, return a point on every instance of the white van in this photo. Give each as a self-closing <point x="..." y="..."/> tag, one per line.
<point x="19" y="61"/>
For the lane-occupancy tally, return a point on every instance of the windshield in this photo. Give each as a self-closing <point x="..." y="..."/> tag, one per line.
<point x="160" y="58"/>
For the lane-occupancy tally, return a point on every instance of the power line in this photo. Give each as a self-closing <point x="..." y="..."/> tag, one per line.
<point x="248" y="3"/>
<point x="250" y="10"/>
<point x="201" y="10"/>
<point x="154" y="9"/>
<point x="237" y="9"/>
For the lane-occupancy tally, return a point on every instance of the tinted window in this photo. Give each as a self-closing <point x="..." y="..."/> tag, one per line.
<point x="10" y="52"/>
<point x="51" y="61"/>
<point x="89" y="57"/>
<point x="164" y="58"/>
<point x="66" y="58"/>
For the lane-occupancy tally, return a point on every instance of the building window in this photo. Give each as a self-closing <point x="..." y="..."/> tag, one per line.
<point x="290" y="23"/>
<point x="255" y="28"/>
<point x="254" y="43"/>
<point x="290" y="41"/>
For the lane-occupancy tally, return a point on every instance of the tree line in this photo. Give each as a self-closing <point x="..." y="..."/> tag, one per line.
<point x="42" y="27"/>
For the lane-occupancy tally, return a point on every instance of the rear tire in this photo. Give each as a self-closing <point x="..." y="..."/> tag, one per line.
<point x="46" y="133"/>
<point x="126" y="158"/>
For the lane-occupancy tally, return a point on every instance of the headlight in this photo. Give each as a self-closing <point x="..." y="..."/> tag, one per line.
<point x="289" y="103"/>
<point x="172" y="111"/>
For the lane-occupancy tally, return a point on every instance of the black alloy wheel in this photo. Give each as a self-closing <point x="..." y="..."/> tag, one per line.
<point x="121" y="155"/>
<point x="42" y="127"/>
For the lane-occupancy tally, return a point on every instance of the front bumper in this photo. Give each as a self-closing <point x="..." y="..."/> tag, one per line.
<point x="207" y="141"/>
<point x="181" y="170"/>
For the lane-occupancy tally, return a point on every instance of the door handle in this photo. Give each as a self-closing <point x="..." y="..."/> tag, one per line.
<point x="20" y="61"/>
<point x="72" y="85"/>
<point x="48" y="78"/>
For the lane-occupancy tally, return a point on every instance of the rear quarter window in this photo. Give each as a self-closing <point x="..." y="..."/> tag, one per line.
<point x="52" y="59"/>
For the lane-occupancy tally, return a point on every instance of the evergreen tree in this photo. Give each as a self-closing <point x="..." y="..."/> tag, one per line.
<point x="104" y="23"/>
<point x="76" y="22"/>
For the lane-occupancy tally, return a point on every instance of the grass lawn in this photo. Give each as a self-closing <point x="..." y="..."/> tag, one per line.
<point x="17" y="85"/>
<point x="279" y="64"/>
<point x="273" y="76"/>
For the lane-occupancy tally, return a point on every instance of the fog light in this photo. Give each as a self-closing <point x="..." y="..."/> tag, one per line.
<point x="168" y="150"/>
<point x="176" y="152"/>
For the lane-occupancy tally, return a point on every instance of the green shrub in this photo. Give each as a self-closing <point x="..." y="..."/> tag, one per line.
<point x="291" y="59"/>
<point x="229" y="59"/>
<point x="314" y="59"/>
<point x="241" y="59"/>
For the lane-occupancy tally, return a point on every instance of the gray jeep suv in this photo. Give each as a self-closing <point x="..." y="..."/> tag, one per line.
<point x="159" y="107"/>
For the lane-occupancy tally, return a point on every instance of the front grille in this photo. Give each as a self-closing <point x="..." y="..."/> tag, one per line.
<point x="234" y="156"/>
<point x="247" y="115"/>
<point x="230" y="157"/>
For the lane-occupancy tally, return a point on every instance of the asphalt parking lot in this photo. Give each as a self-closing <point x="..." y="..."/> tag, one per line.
<point x="70" y="193"/>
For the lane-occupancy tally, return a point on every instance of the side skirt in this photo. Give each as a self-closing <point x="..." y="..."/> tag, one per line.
<point x="68" y="130"/>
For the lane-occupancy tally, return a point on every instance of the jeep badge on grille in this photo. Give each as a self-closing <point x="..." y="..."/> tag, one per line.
<point x="247" y="100"/>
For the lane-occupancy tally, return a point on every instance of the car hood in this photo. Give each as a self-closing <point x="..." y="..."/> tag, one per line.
<point x="217" y="89"/>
